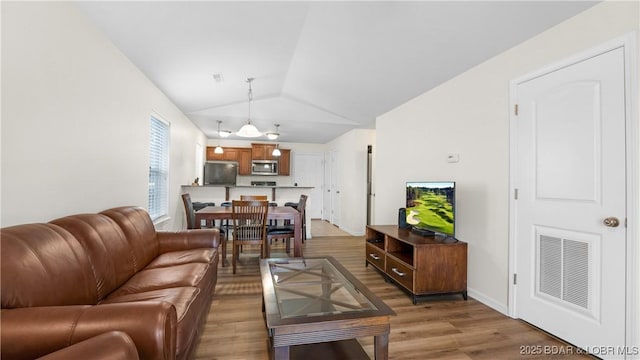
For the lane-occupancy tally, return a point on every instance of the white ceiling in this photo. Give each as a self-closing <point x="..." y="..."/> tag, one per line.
<point x="320" y="68"/>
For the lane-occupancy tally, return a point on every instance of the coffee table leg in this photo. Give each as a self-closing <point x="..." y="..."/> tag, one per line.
<point x="281" y="353"/>
<point x="381" y="347"/>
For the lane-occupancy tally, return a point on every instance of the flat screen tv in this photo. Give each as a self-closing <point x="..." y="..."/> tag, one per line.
<point x="220" y="173"/>
<point x="431" y="207"/>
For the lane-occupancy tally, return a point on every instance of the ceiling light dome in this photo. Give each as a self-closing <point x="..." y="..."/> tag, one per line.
<point x="273" y="135"/>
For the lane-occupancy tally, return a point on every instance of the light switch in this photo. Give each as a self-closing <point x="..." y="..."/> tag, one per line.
<point x="453" y="158"/>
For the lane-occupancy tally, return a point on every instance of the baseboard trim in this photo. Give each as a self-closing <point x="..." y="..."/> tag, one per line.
<point x="490" y="302"/>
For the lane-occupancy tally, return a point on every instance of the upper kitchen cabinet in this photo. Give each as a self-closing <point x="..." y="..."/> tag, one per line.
<point x="284" y="162"/>
<point x="241" y="155"/>
<point x="244" y="159"/>
<point x="263" y="151"/>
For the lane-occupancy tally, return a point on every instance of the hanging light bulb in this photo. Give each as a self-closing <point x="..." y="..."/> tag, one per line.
<point x="248" y="129"/>
<point x="218" y="149"/>
<point x="276" y="151"/>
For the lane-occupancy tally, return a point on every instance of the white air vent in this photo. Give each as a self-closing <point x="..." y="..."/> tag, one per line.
<point x="564" y="269"/>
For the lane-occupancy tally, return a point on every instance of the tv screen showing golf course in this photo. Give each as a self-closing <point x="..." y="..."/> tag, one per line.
<point x="431" y="205"/>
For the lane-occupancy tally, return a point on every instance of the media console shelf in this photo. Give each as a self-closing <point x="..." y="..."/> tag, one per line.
<point x="423" y="265"/>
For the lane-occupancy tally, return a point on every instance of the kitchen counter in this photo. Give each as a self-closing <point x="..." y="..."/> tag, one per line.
<point x="208" y="193"/>
<point x="250" y="186"/>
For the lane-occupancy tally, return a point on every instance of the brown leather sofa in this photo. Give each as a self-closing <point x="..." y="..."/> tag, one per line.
<point x="83" y="275"/>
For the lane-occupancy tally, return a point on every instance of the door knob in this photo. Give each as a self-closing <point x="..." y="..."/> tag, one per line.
<point x="611" y="222"/>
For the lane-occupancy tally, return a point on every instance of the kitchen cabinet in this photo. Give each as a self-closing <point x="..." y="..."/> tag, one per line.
<point x="240" y="155"/>
<point x="263" y="152"/>
<point x="212" y="156"/>
<point x="284" y="162"/>
<point x="244" y="161"/>
<point x="244" y="156"/>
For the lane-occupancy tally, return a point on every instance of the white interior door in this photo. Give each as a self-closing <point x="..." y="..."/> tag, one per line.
<point x="570" y="181"/>
<point x="309" y="172"/>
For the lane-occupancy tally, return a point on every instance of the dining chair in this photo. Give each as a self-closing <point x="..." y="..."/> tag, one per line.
<point x="287" y="232"/>
<point x="189" y="210"/>
<point x="249" y="226"/>
<point x="191" y="218"/>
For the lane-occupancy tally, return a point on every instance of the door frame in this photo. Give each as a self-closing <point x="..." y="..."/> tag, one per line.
<point x="630" y="44"/>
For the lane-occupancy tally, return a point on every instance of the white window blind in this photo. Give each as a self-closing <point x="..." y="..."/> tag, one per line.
<point x="159" y="169"/>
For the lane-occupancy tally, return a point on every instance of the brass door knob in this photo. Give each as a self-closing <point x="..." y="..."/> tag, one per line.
<point x="611" y="222"/>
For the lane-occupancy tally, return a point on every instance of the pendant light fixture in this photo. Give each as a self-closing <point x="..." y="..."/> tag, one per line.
<point x="273" y="135"/>
<point x="249" y="130"/>
<point x="218" y="149"/>
<point x="276" y="151"/>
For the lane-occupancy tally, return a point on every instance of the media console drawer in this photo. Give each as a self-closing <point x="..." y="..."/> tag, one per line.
<point x="375" y="256"/>
<point x="400" y="272"/>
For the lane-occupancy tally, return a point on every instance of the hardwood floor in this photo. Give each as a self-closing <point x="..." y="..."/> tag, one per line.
<point x="443" y="327"/>
<point x="322" y="228"/>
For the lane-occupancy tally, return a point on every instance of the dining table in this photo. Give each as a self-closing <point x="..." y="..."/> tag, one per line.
<point x="211" y="213"/>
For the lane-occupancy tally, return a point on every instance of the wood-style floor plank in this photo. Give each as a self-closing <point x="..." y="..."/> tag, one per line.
<point x="442" y="327"/>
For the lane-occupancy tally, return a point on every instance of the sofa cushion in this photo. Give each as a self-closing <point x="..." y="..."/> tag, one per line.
<point x="44" y="265"/>
<point x="180" y="297"/>
<point x="112" y="345"/>
<point x="139" y="231"/>
<point x="164" y="277"/>
<point x="184" y="257"/>
<point x="185" y="300"/>
<point x="100" y="235"/>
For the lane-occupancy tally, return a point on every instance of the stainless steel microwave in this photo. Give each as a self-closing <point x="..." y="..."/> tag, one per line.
<point x="264" y="167"/>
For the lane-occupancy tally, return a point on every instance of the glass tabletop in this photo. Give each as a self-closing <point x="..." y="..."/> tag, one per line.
<point x="313" y="287"/>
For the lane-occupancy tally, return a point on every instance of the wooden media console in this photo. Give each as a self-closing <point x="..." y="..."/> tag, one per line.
<point x="423" y="265"/>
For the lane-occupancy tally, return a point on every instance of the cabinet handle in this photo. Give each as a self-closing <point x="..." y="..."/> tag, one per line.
<point x="374" y="256"/>
<point x="395" y="270"/>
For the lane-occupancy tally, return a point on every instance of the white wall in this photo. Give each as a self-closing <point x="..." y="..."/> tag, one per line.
<point x="469" y="115"/>
<point x="352" y="157"/>
<point x="75" y="119"/>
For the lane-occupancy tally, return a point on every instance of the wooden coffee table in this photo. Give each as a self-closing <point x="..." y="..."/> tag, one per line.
<point x="317" y="301"/>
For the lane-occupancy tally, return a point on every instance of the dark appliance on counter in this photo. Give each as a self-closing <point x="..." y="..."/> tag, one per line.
<point x="264" y="167"/>
<point x="220" y="173"/>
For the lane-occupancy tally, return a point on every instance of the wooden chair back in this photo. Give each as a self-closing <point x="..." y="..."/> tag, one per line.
<point x="188" y="209"/>
<point x="253" y="197"/>
<point x="249" y="221"/>
<point x="302" y="208"/>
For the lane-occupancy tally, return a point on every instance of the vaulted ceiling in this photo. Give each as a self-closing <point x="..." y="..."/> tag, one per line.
<point x="320" y="68"/>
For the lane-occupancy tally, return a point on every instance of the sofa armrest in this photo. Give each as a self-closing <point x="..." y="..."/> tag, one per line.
<point x="28" y="333"/>
<point x="188" y="239"/>
<point x="113" y="345"/>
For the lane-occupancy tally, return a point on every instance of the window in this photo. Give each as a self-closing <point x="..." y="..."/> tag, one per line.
<point x="159" y="169"/>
